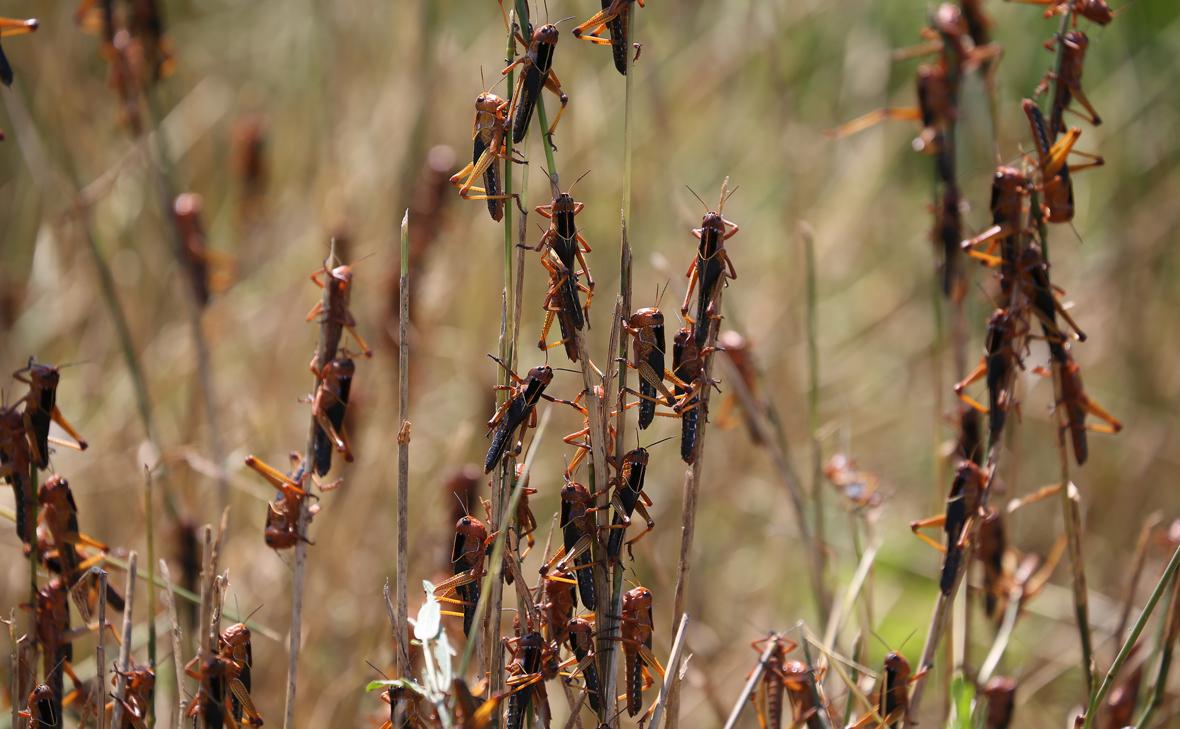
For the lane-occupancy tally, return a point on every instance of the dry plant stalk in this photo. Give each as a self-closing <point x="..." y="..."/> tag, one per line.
<point x="671" y="669"/>
<point x="322" y="356"/>
<point x="177" y="641"/>
<point x="403" y="451"/>
<point x="691" y="493"/>
<point x="125" y="648"/>
<point x="100" y="651"/>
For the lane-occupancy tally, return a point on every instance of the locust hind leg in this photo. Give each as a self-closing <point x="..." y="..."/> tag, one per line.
<point x="554" y="86"/>
<point x="873" y="118"/>
<point x="65" y="425"/>
<point x="934" y="521"/>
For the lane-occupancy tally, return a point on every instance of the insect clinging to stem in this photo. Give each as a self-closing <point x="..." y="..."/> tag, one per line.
<point x="537" y="76"/>
<point x="963" y="510"/>
<point x="711" y="267"/>
<point x="518" y="413"/>
<point x="328" y="407"/>
<point x="488" y="136"/>
<point x="649" y="347"/>
<point x="336" y="318"/>
<point x="41" y="408"/>
<point x="1052" y="161"/>
<point x="282" y="514"/>
<point x="615" y="16"/>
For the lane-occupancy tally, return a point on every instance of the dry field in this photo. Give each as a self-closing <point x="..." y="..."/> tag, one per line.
<point x="359" y="110"/>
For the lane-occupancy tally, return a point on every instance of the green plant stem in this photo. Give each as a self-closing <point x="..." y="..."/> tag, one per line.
<point x="503" y="475"/>
<point x="1171" y="632"/>
<point x="819" y="550"/>
<point x="1100" y="695"/>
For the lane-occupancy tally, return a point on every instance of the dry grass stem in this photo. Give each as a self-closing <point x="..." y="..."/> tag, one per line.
<point x="177" y="642"/>
<point x="100" y="650"/>
<point x="671" y="668"/>
<point x="125" y="649"/>
<point x="403" y="453"/>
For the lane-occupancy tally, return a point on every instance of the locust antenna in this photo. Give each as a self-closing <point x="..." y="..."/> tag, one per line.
<point x="378" y="670"/>
<point x="462" y="504"/>
<point x="661" y="440"/>
<point x="578" y="180"/>
<point x="704" y="204"/>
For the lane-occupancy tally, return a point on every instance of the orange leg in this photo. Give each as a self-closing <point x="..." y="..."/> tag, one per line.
<point x="65" y="425"/>
<point x="597" y="21"/>
<point x="873" y="118"/>
<point x="1039" y="495"/>
<point x="934" y="521"/>
<point x="554" y="86"/>
<point x="692" y="282"/>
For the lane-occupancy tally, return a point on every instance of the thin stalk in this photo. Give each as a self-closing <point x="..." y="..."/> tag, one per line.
<point x="403" y="451"/>
<point x="844" y="608"/>
<point x="820" y="719"/>
<point x="1073" y="531"/>
<point x="819" y="553"/>
<point x="124" y="650"/>
<point x="751" y="684"/>
<point x="1171" y="632"/>
<point x="31" y="504"/>
<point x="1003" y="635"/>
<point x="575" y="717"/>
<point x="513" y="348"/>
<point x="937" y="355"/>
<point x="495" y="656"/>
<point x="1069" y="495"/>
<point x="1108" y="680"/>
<point x="177" y="642"/>
<point x="691" y="492"/>
<point x="835" y="662"/>
<point x="858" y="645"/>
<point x="300" y="568"/>
<point x="673" y="667"/>
<point x="855" y="522"/>
<point x="1141" y="546"/>
<point x="13" y="670"/>
<point x="100" y="650"/>
<point x="151" y="570"/>
<point x="608" y="645"/>
<point x="207" y="569"/>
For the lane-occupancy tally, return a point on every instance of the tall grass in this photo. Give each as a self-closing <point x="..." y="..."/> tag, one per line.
<point x="843" y="332"/>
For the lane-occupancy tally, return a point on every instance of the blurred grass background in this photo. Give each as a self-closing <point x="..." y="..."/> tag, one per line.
<point x="355" y="94"/>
